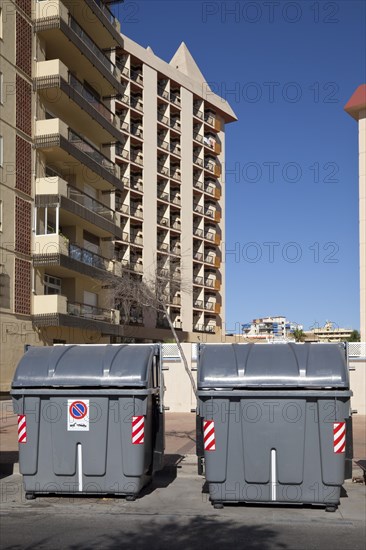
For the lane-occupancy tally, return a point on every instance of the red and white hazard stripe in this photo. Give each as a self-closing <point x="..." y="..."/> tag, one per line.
<point x="138" y="430"/>
<point x="209" y="435"/>
<point x="339" y="437"/>
<point x="22" y="429"/>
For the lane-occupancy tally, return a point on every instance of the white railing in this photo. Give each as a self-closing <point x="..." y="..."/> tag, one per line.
<point x="357" y="350"/>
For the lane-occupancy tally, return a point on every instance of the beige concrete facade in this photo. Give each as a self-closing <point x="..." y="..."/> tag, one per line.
<point x="112" y="161"/>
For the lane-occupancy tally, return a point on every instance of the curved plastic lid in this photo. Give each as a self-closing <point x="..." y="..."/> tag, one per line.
<point x="272" y="365"/>
<point x="122" y="365"/>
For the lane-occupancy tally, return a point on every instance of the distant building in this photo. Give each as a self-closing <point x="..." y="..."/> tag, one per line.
<point x="269" y="328"/>
<point x="328" y="333"/>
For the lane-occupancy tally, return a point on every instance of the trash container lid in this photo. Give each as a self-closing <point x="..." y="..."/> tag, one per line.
<point x="272" y="365"/>
<point x="122" y="365"/>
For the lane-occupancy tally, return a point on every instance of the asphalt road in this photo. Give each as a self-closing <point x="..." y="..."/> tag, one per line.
<point x="174" y="513"/>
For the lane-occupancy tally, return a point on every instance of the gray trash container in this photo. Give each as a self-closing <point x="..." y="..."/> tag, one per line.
<point x="90" y="418"/>
<point x="273" y="422"/>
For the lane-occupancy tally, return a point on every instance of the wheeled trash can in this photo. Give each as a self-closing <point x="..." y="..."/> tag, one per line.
<point x="273" y="422"/>
<point x="90" y="418"/>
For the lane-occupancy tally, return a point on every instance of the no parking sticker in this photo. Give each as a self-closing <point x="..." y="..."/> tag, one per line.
<point x="78" y="415"/>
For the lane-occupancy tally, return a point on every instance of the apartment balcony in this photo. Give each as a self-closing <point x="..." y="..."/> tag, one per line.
<point x="212" y="190"/>
<point x="121" y="152"/>
<point x="57" y="310"/>
<point x="66" y="40"/>
<point x="76" y="207"/>
<point x="175" y="200"/>
<point x="163" y="119"/>
<point x="59" y="142"/>
<point x="137" y="157"/>
<point x="175" y="225"/>
<point x="137" y="77"/>
<point x="163" y="221"/>
<point x="212" y="237"/>
<point x="136" y="103"/>
<point x="133" y="265"/>
<point x="198" y="232"/>
<point x="162" y="92"/>
<point x="198" y="113"/>
<point x="175" y="99"/>
<point x="74" y="101"/>
<point x="212" y="260"/>
<point x="63" y="258"/>
<point x="212" y="145"/>
<point x="98" y="21"/>
<point x="163" y="196"/>
<point x="163" y="170"/>
<point x="198" y="280"/>
<point x="212" y="121"/>
<point x="175" y="124"/>
<point x="212" y="283"/>
<point x="198" y="256"/>
<point x="198" y="304"/>
<point x="211" y="329"/>
<point x="198" y="137"/>
<point x="212" y="307"/>
<point x="212" y="168"/>
<point x="175" y="149"/>
<point x="136" y="131"/>
<point x="137" y="211"/>
<point x="198" y="161"/>
<point x="136" y="239"/>
<point x="175" y="174"/>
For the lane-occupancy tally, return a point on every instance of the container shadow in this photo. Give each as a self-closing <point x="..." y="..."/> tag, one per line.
<point x="164" y="477"/>
<point x="7" y="461"/>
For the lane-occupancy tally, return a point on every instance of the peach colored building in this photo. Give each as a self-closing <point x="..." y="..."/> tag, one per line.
<point x="111" y="159"/>
<point x="356" y="108"/>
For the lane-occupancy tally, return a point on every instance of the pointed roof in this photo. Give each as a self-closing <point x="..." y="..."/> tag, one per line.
<point x="357" y="102"/>
<point x="184" y="62"/>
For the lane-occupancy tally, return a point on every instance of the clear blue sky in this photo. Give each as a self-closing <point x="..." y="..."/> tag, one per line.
<point x="293" y="66"/>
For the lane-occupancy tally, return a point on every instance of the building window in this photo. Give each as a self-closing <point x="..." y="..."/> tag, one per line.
<point x="52" y="285"/>
<point x="47" y="220"/>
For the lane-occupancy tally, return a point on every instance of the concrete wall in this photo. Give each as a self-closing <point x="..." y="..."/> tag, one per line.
<point x="358" y="385"/>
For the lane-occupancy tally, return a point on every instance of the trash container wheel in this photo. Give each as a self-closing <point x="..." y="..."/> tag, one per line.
<point x="30" y="496"/>
<point x="201" y="466"/>
<point x="331" y="508"/>
<point x="218" y="505"/>
<point x="130" y="498"/>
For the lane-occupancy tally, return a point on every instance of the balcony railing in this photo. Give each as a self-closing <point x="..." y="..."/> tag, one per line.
<point x="107" y="12"/>
<point x="205" y="328"/>
<point x="175" y="124"/>
<point x="162" y="118"/>
<point x="92" y="46"/>
<point x="88" y="257"/>
<point x="198" y="256"/>
<point x="90" y="312"/>
<point x="91" y="203"/>
<point x="90" y="98"/>
<point x="163" y="93"/>
<point x="197" y="280"/>
<point x="198" y="304"/>
<point x="136" y="239"/>
<point x="175" y="98"/>
<point x="198" y="113"/>
<point x="121" y="152"/>
<point x="198" y="232"/>
<point x="137" y="158"/>
<point x="136" y="76"/>
<point x="136" y="103"/>
<point x="136" y="130"/>
<point x="91" y="151"/>
<point x="163" y="195"/>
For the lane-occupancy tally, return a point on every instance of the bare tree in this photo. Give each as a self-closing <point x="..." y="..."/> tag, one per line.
<point x="153" y="292"/>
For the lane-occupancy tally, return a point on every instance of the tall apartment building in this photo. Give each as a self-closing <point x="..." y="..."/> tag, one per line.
<point x="269" y="328"/>
<point x="356" y="108"/>
<point x="111" y="162"/>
